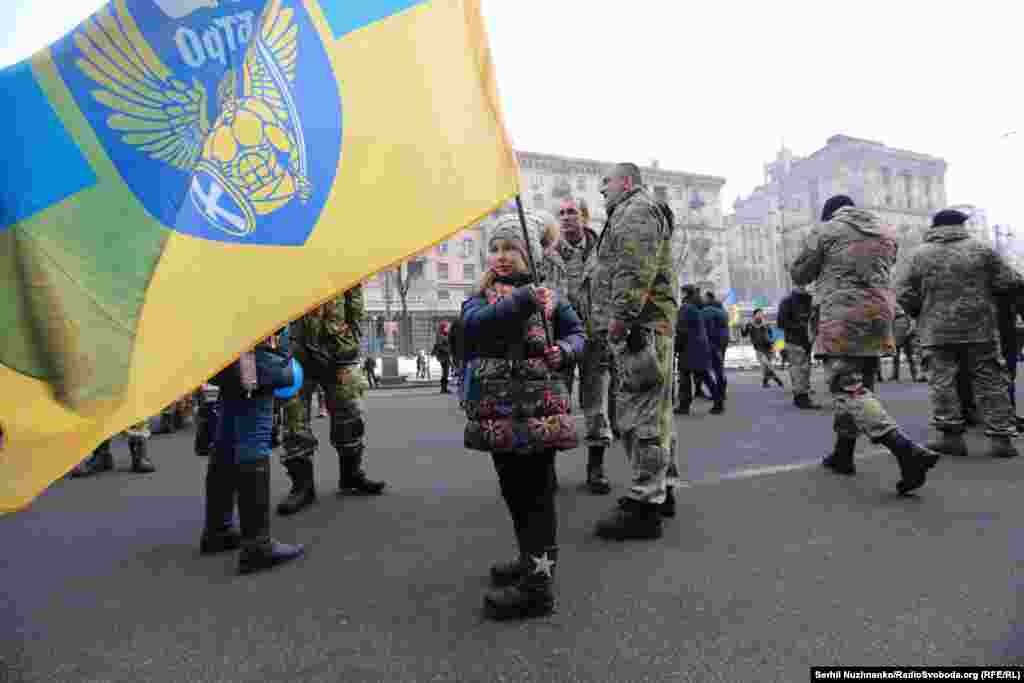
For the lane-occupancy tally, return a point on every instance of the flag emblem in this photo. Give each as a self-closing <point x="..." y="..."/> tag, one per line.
<point x="221" y="122"/>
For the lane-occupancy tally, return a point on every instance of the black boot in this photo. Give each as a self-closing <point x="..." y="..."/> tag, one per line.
<point x="764" y="382"/>
<point x="840" y="460"/>
<point x="778" y="381"/>
<point x="303" y="493"/>
<point x="1002" y="447"/>
<point x="949" y="443"/>
<point x="219" y="533"/>
<point x="508" y="573"/>
<point x="140" y="461"/>
<point x="668" y="508"/>
<point x="914" y="460"/>
<point x="259" y="550"/>
<point x="103" y="458"/>
<point x="532" y="595"/>
<point x="718" y="408"/>
<point x="804" y="402"/>
<point x="352" y="479"/>
<point x="630" y="519"/>
<point x="597" y="482"/>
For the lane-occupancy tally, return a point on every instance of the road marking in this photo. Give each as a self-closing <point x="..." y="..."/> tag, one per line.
<point x="751" y="472"/>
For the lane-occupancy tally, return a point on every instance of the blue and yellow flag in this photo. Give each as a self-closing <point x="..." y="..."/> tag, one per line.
<point x="183" y="177"/>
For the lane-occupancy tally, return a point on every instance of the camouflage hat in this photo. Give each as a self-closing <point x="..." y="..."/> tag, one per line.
<point x="508" y="227"/>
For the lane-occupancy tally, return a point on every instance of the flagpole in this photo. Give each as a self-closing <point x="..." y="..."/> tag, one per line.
<point x="533" y="266"/>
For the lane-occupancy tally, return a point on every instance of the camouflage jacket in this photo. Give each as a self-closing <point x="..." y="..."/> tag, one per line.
<point x="575" y="259"/>
<point x="950" y="287"/>
<point x="553" y="273"/>
<point x="631" y="275"/>
<point x="850" y="257"/>
<point x="331" y="329"/>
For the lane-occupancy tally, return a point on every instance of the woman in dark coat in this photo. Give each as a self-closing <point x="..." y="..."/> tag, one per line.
<point x="517" y="405"/>
<point x="694" y="354"/>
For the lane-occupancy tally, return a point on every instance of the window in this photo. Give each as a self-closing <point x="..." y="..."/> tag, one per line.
<point x="415" y="269"/>
<point x="678" y="192"/>
<point x="908" y="189"/>
<point x="661" y="193"/>
<point x="538" y="201"/>
<point x="581" y="184"/>
<point x="442" y="248"/>
<point x="444" y="295"/>
<point x="467" y="247"/>
<point x="442" y="271"/>
<point x="468" y="271"/>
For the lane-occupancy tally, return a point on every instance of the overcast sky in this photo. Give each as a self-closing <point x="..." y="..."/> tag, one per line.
<point x="715" y="87"/>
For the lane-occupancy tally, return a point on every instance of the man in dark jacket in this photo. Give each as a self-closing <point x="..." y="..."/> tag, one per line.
<point x="693" y="351"/>
<point x="442" y="351"/>
<point x="761" y="338"/>
<point x="716" y="320"/>
<point x="951" y="285"/>
<point x="794" y="319"/>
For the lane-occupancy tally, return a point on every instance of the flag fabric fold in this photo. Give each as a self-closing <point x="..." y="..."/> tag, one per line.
<point x="184" y="179"/>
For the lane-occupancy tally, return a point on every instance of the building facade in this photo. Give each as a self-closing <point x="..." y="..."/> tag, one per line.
<point x="768" y="227"/>
<point x="440" y="278"/>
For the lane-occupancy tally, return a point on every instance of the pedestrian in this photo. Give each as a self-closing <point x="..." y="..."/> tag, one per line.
<point x="904" y="331"/>
<point x="850" y="256"/>
<point x="717" y="323"/>
<point x="794" y="318"/>
<point x="370" y="368"/>
<point x="693" y="353"/>
<point x="518" y="407"/>
<point x="633" y="288"/>
<point x="102" y="458"/>
<point x="951" y="285"/>
<point x="575" y="248"/>
<point x="239" y="466"/>
<point x="761" y="338"/>
<point x="206" y="420"/>
<point x="442" y="351"/>
<point x="326" y="343"/>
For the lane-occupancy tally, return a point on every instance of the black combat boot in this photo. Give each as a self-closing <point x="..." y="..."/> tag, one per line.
<point x="103" y="458"/>
<point x="778" y="381"/>
<point x="949" y="443"/>
<point x="804" y="402"/>
<point x="352" y="478"/>
<point x="1002" y="447"/>
<point x="764" y="382"/>
<point x="219" y="533"/>
<point x="140" y="461"/>
<point x="840" y="460"/>
<point x="303" y="493"/>
<point x="259" y="550"/>
<point x="914" y="460"/>
<point x="597" y="482"/>
<point x="631" y="519"/>
<point x="668" y="508"/>
<point x="718" y="408"/>
<point x="532" y="595"/>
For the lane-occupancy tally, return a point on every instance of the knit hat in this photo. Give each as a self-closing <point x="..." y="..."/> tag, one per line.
<point x="508" y="227"/>
<point x="834" y="204"/>
<point x="949" y="217"/>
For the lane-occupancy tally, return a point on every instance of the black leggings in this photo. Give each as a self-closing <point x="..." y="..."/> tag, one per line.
<point x="528" y="486"/>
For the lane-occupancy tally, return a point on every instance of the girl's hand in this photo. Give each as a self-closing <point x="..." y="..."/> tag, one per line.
<point x="553" y="357"/>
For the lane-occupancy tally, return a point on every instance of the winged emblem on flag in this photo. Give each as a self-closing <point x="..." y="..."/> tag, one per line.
<point x="251" y="160"/>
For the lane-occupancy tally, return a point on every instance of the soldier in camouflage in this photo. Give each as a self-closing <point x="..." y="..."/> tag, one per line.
<point x="632" y="288"/>
<point x="575" y="248"/>
<point x="326" y="343"/>
<point x="794" y="318"/>
<point x="950" y="286"/>
<point x="850" y="257"/>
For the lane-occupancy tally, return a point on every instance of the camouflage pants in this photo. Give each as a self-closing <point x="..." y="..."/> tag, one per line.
<point x="982" y="364"/>
<point x="851" y="380"/>
<point x="648" y="429"/>
<point x="595" y="378"/>
<point x="799" y="369"/>
<point x="139" y="430"/>
<point x="344" y="394"/>
<point x="765" y="360"/>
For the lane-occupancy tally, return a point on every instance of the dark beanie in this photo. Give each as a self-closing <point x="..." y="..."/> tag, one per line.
<point x="949" y="217"/>
<point x="833" y="205"/>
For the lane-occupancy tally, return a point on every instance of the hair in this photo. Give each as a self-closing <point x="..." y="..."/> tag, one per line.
<point x="710" y="296"/>
<point x="627" y="169"/>
<point x="834" y="204"/>
<point x="552" y="231"/>
<point x="488" y="277"/>
<point x="757" y="310"/>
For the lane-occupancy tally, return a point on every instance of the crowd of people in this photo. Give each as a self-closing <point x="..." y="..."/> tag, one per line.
<point x="562" y="309"/>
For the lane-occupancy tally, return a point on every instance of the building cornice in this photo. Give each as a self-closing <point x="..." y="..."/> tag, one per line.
<point x="573" y="165"/>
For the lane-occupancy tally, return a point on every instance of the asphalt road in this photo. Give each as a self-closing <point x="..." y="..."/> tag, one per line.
<point x="771" y="566"/>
